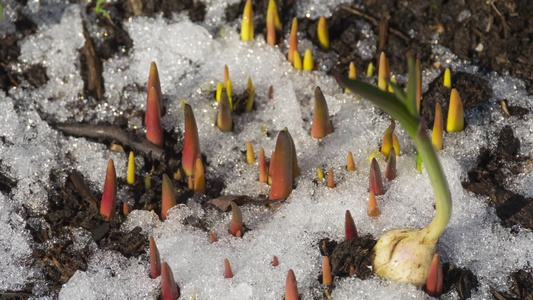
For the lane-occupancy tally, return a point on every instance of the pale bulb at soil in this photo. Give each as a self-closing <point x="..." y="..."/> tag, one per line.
<point x="401" y="256"/>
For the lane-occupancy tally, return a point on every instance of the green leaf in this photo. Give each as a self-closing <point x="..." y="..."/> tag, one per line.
<point x="99" y="10"/>
<point x="387" y="102"/>
<point x="398" y="92"/>
<point x="411" y="87"/>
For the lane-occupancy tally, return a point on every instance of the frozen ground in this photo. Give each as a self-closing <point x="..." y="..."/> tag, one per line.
<point x="191" y="60"/>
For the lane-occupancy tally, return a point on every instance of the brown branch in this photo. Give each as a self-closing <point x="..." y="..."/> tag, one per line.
<point x="83" y="189"/>
<point x="383" y="27"/>
<point x="374" y="22"/>
<point x="92" y="65"/>
<point x="15" y="295"/>
<point x="115" y="133"/>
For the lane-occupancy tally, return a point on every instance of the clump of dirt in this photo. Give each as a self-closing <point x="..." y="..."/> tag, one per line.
<point x="521" y="287"/>
<point x="461" y="280"/>
<point x="9" y="52"/>
<point x="355" y="253"/>
<point x="489" y="176"/>
<point x="53" y="234"/>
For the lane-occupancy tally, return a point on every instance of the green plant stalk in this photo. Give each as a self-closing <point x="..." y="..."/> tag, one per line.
<point x="99" y="10"/>
<point x="405" y="112"/>
<point x="443" y="198"/>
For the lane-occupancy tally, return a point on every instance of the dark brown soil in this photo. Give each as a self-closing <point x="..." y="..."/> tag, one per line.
<point x="489" y="176"/>
<point x="473" y="91"/>
<point x="459" y="279"/>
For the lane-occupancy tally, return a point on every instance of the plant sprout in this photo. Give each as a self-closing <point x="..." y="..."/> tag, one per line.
<point x="405" y="254"/>
<point x="102" y="12"/>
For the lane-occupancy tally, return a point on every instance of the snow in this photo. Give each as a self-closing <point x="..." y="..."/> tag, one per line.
<point x="191" y="61"/>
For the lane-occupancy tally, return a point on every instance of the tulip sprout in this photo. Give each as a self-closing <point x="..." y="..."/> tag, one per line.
<point x="405" y="254"/>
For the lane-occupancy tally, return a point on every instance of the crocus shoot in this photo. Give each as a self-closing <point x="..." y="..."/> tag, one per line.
<point x="297" y="61"/>
<point x="130" y="178"/>
<point x="226" y="75"/>
<point x="224" y="119"/>
<point x="447" y="79"/>
<point x="350" y="165"/>
<point x="455" y="121"/>
<point x="152" y="119"/>
<point x="375" y="183"/>
<point x="282" y="168"/>
<point x="373" y="210"/>
<point x="435" y="279"/>
<point x="271" y="29"/>
<point x="323" y="33"/>
<point x="436" y="137"/>
<point x="153" y="82"/>
<point x="350" y="231"/>
<point x="169" y="288"/>
<point x="383" y="72"/>
<point x="291" y="287"/>
<point x="351" y="74"/>
<point x="386" y="143"/>
<point x="247" y="25"/>
<point x="405" y="254"/>
<point x="321" y="123"/>
<point x="220" y="86"/>
<point x="251" y="96"/>
<point x="250" y="156"/>
<point x="212" y="237"/>
<point x="227" y="269"/>
<point x="108" y="205"/>
<point x="199" y="177"/>
<point x="370" y="70"/>
<point x="331" y="180"/>
<point x="168" y="199"/>
<point x="320" y="174"/>
<point x="191" y="144"/>
<point x="308" y="65"/>
<point x="275" y="261"/>
<point x="155" y="260"/>
<point x="125" y="209"/>
<point x="295" y="167"/>
<point x="147" y="182"/>
<point x="293" y="40"/>
<point x="396" y="144"/>
<point x="236" y="221"/>
<point x="390" y="171"/>
<point x="263" y="175"/>
<point x="274" y="10"/>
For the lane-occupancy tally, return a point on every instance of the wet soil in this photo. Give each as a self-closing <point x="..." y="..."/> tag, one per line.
<point x="489" y="176"/>
<point x="495" y="35"/>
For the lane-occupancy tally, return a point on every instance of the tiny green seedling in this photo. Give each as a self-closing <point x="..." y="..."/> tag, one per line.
<point x="102" y="12"/>
<point x="405" y="254"/>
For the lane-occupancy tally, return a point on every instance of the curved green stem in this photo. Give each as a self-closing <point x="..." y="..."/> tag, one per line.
<point x="443" y="198"/>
